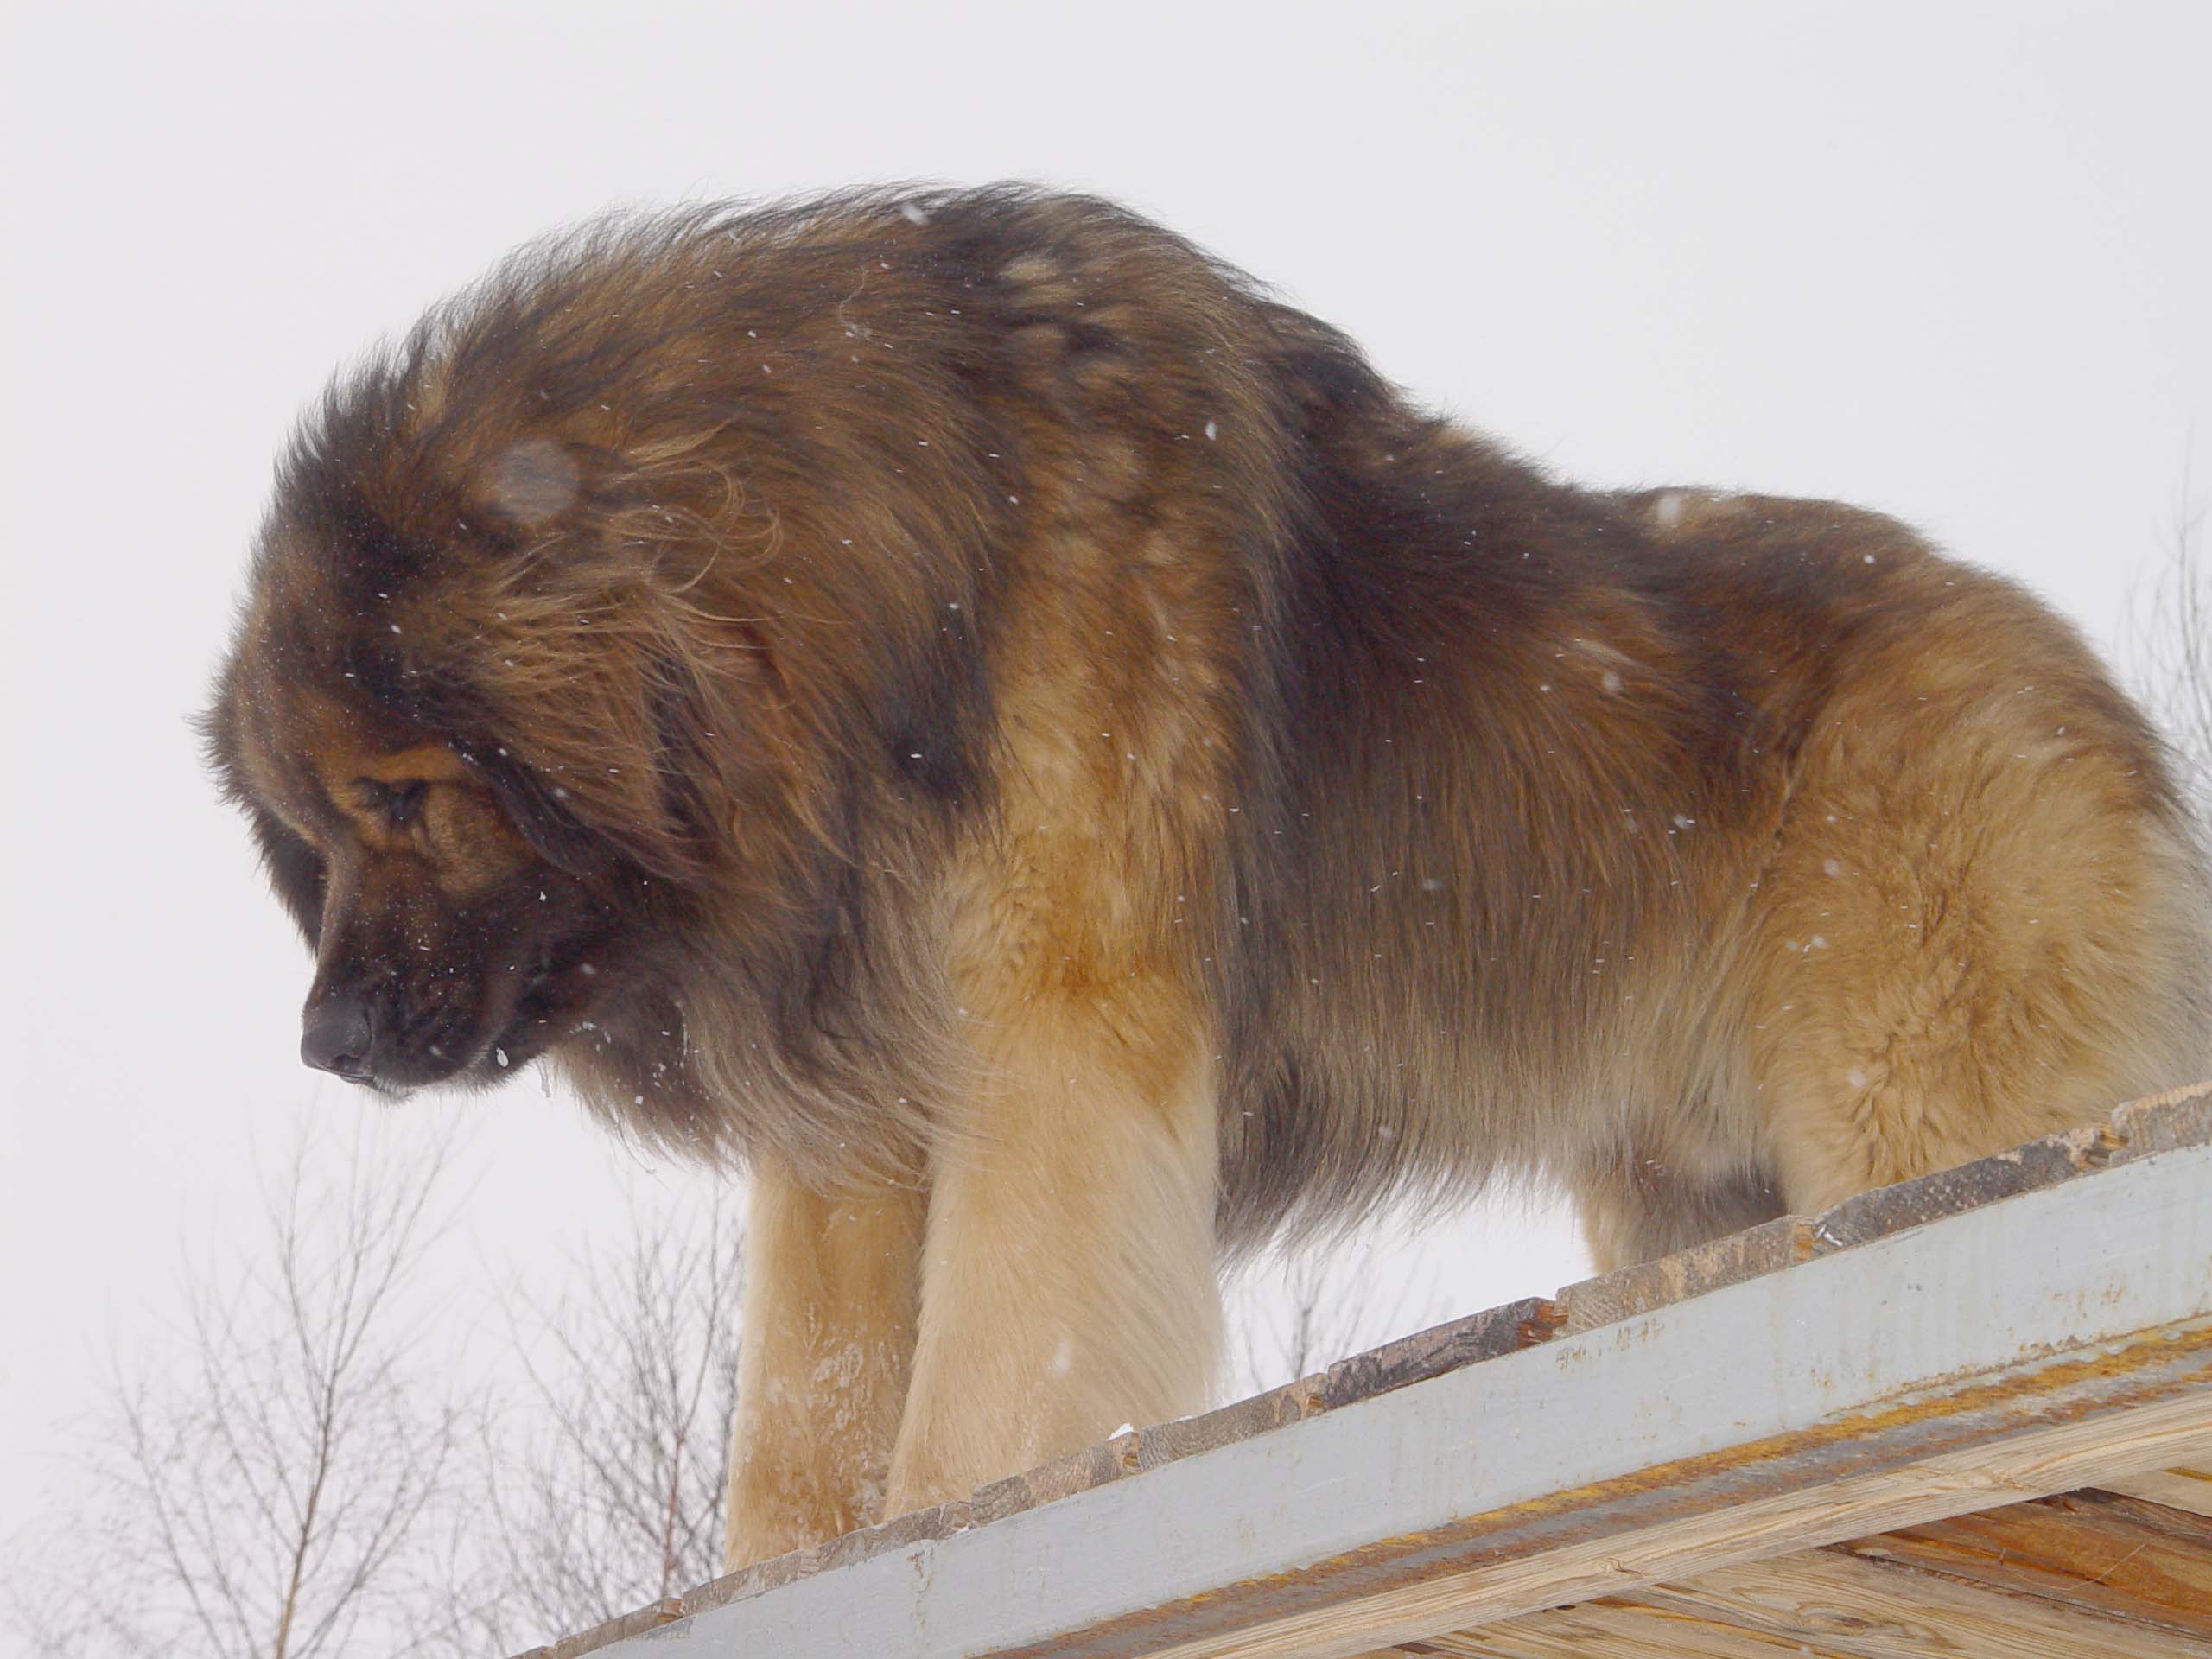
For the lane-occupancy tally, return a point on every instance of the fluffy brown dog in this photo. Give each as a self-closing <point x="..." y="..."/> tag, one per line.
<point x="963" y="704"/>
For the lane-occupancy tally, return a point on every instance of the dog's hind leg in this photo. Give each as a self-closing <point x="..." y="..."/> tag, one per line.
<point x="1637" y="1208"/>
<point x="1984" y="921"/>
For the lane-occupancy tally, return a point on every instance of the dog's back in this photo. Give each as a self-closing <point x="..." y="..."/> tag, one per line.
<point x="1719" y="855"/>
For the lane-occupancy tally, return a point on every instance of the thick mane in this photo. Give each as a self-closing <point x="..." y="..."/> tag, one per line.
<point x="691" y="530"/>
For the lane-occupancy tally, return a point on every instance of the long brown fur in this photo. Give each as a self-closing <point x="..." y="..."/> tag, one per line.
<point x="964" y="703"/>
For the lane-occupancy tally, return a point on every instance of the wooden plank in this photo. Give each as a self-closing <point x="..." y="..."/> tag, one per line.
<point x="2124" y="1557"/>
<point x="1619" y="1630"/>
<point x="2055" y="1338"/>
<point x="2177" y="1489"/>
<point x="1868" y="1609"/>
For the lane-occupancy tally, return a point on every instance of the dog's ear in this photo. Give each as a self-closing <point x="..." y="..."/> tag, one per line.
<point x="600" y="633"/>
<point x="572" y="620"/>
<point x="539" y="811"/>
<point x="295" y="872"/>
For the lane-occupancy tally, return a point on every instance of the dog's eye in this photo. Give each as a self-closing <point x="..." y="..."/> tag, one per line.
<point x="400" y="803"/>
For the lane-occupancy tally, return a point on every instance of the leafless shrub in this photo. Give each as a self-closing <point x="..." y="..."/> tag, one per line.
<point x="1304" y="1312"/>
<point x="602" y="1486"/>
<point x="2171" y="644"/>
<point x="262" y="1489"/>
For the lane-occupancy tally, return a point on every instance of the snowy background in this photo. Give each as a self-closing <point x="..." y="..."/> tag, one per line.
<point x="1953" y="262"/>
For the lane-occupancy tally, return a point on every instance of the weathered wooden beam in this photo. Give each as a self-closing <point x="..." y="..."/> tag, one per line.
<point x="1852" y="1606"/>
<point x="2118" y="1555"/>
<point x="2177" y="1489"/>
<point x="2043" y="1324"/>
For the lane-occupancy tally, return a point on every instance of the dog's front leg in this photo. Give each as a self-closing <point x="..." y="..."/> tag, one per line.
<point x="1068" y="1275"/>
<point x="829" y="1335"/>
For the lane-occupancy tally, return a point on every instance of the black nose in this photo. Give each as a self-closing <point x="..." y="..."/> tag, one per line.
<point x="336" y="1038"/>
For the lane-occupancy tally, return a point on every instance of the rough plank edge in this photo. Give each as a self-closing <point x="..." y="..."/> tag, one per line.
<point x="657" y="1616"/>
<point x="2167" y="1122"/>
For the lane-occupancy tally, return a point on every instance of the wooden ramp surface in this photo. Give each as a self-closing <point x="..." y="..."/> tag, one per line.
<point x="1967" y="1417"/>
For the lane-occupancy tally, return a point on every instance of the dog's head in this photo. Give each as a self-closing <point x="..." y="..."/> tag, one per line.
<point x="572" y="686"/>
<point x="472" y="767"/>
<point x="450" y="945"/>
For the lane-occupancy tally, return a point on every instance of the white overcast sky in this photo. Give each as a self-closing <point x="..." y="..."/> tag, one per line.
<point x="1951" y="261"/>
